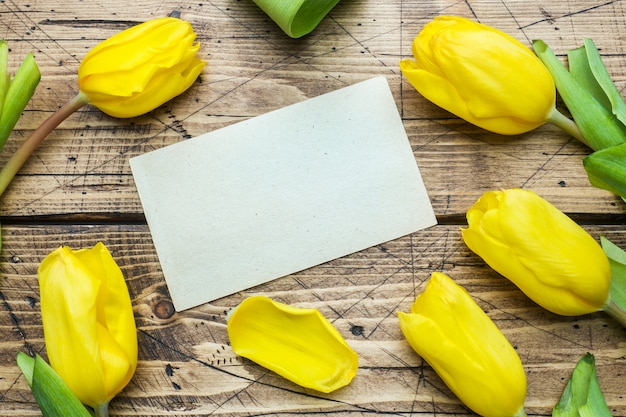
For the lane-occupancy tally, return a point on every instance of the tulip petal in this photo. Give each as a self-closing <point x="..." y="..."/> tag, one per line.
<point x="68" y="315"/>
<point x="561" y="254"/>
<point x="492" y="93"/>
<point x="296" y="343"/>
<point x="162" y="87"/>
<point x="114" y="304"/>
<point x="127" y="69"/>
<point x="118" y="366"/>
<point x="160" y="40"/>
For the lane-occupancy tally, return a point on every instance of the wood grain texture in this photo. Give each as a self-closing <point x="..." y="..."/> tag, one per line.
<point x="77" y="189"/>
<point x="187" y="367"/>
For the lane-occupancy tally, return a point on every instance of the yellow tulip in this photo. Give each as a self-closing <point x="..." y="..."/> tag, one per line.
<point x="299" y="344"/>
<point x="140" y="68"/>
<point x="127" y="75"/>
<point x="546" y="254"/>
<point x="466" y="349"/>
<point x="88" y="322"/>
<point x="482" y="75"/>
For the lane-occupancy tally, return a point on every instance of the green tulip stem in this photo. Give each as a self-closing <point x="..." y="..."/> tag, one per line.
<point x="567" y="125"/>
<point x="617" y="312"/>
<point x="29" y="145"/>
<point x="102" y="410"/>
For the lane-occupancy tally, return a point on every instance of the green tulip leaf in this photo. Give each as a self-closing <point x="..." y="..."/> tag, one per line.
<point x="4" y="73"/>
<point x="20" y="90"/>
<point x="296" y="17"/>
<point x="601" y="75"/>
<point x="617" y="259"/>
<point x="582" y="73"/>
<point x="53" y="396"/>
<point x="582" y="395"/>
<point x="27" y="366"/>
<point x="598" y="125"/>
<point x="606" y="169"/>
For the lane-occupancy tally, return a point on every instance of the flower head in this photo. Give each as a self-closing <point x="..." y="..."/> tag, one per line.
<point x="545" y="253"/>
<point x="127" y="75"/>
<point x="140" y="68"/>
<point x="466" y="349"/>
<point x="481" y="75"/>
<point x="88" y="322"/>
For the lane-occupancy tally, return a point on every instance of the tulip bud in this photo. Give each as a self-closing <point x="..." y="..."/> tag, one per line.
<point x="481" y="75"/>
<point x="15" y="94"/>
<point x="88" y="322"/>
<point x="297" y="343"/>
<point x="546" y="254"/>
<point x="466" y="349"/>
<point x="140" y="68"/>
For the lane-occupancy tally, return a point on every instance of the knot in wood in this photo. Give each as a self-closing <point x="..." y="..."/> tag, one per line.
<point x="164" y="309"/>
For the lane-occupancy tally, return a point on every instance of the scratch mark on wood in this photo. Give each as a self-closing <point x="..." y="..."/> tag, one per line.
<point x="118" y="25"/>
<point x="252" y="380"/>
<point x="542" y="167"/>
<point x="16" y="324"/>
<point x="547" y="14"/>
<point x="553" y="19"/>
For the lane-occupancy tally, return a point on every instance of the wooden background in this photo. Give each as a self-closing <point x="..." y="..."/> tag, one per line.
<point x="77" y="189"/>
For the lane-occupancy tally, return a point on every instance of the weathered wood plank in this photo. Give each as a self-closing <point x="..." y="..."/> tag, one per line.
<point x="81" y="174"/>
<point x="253" y="68"/>
<point x="187" y="367"/>
<point x="458" y="162"/>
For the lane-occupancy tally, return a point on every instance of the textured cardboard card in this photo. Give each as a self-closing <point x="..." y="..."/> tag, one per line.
<point x="281" y="192"/>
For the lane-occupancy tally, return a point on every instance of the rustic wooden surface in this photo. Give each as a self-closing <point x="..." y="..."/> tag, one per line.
<point x="77" y="189"/>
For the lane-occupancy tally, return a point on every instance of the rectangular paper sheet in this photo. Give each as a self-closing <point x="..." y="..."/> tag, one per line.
<point x="281" y="192"/>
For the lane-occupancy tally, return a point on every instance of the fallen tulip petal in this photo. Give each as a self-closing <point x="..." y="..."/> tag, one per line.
<point x="297" y="343"/>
